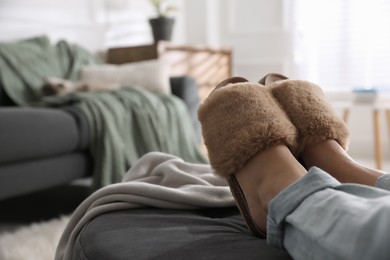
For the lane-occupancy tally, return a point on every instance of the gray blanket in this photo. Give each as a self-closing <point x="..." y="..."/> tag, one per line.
<point x="157" y="180"/>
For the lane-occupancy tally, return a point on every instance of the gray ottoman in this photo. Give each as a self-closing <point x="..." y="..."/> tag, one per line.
<point x="151" y="233"/>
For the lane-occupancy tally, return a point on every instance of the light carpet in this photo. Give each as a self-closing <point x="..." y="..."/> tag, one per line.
<point x="37" y="241"/>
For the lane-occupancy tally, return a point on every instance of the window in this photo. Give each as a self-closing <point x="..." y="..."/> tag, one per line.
<point x="342" y="44"/>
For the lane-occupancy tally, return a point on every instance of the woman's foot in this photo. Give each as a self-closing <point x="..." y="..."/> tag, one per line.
<point x="308" y="109"/>
<point x="331" y="157"/>
<point x="264" y="176"/>
<point x="322" y="134"/>
<point x="244" y="128"/>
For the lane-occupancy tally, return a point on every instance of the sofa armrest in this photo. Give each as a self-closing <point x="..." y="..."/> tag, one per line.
<point x="187" y="89"/>
<point x="35" y="133"/>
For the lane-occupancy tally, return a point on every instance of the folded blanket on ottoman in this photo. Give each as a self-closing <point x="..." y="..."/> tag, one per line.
<point x="157" y="180"/>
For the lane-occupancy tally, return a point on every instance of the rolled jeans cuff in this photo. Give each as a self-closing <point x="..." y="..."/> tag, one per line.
<point x="290" y="198"/>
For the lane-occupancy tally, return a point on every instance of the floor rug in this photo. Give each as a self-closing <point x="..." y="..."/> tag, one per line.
<point x="37" y="241"/>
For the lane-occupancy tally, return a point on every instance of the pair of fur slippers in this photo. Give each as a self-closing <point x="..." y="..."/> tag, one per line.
<point x="241" y="119"/>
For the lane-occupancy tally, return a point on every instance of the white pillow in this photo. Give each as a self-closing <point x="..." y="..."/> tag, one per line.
<point x="152" y="75"/>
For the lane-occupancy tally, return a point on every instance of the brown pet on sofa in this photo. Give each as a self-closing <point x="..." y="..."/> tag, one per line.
<point x="58" y="86"/>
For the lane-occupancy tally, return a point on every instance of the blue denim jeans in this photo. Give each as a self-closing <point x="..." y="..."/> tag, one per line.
<point x="317" y="217"/>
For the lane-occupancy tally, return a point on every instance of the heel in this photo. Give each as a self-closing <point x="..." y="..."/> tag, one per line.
<point x="239" y="120"/>
<point x="242" y="205"/>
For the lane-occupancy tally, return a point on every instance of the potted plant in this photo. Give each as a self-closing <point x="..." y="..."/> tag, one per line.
<point x="162" y="25"/>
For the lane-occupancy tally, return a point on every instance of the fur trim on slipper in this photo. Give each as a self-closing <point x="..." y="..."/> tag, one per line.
<point x="310" y="112"/>
<point x="239" y="121"/>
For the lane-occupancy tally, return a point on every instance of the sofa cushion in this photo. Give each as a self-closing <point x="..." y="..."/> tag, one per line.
<point x="152" y="75"/>
<point x="33" y="133"/>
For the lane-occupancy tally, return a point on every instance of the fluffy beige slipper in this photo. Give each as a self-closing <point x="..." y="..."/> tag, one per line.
<point x="240" y="120"/>
<point x="308" y="109"/>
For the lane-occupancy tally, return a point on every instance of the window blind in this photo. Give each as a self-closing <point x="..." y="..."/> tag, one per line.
<point x="342" y="44"/>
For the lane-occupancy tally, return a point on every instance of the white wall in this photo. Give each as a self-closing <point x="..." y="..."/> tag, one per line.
<point x="94" y="24"/>
<point x="256" y="30"/>
<point x="74" y="20"/>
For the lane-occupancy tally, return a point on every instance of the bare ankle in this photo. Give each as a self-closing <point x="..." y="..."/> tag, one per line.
<point x="264" y="176"/>
<point x="330" y="157"/>
<point x="323" y="154"/>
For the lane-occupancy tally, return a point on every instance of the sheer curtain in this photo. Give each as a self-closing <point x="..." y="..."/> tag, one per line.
<point x="342" y="44"/>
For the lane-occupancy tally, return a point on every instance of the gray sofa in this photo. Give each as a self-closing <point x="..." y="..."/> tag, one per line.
<point x="42" y="148"/>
